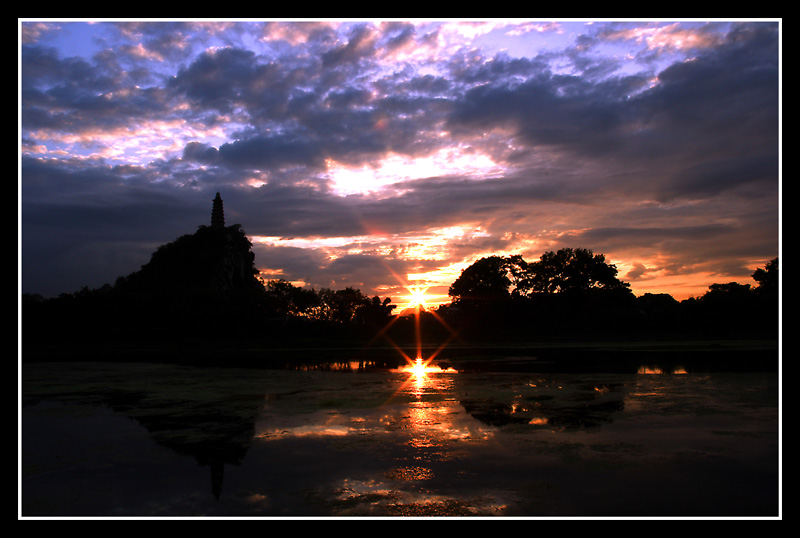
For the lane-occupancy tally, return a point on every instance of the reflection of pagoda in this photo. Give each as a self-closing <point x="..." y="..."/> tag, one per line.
<point x="216" y="430"/>
<point x="217" y="213"/>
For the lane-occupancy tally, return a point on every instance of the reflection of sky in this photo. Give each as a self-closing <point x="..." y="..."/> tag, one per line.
<point x="420" y="426"/>
<point x="422" y="404"/>
<point x="420" y="439"/>
<point x="423" y="407"/>
<point x="341" y="442"/>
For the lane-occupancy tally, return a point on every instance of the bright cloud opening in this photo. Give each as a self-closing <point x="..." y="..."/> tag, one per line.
<point x="395" y="168"/>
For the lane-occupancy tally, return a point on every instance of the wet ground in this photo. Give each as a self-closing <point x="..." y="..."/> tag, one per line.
<point x="100" y="439"/>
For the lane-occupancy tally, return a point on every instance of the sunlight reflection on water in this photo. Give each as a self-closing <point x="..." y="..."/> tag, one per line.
<point x="407" y="441"/>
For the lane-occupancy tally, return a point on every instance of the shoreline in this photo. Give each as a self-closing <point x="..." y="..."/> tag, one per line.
<point x="718" y="354"/>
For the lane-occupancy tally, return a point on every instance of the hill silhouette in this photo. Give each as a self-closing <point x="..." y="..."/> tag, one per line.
<point x="206" y="279"/>
<point x="200" y="282"/>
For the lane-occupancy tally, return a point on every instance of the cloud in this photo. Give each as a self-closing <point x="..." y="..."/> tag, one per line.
<point x="671" y="37"/>
<point x="656" y="144"/>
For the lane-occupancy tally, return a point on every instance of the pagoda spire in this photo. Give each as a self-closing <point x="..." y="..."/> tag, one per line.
<point x="217" y="214"/>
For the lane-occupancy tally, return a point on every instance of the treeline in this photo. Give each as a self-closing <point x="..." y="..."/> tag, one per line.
<point x="575" y="293"/>
<point x="205" y="287"/>
<point x="278" y="311"/>
<point x="345" y="306"/>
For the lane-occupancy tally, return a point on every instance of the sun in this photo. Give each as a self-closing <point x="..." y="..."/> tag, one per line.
<point x="417" y="296"/>
<point x="419" y="368"/>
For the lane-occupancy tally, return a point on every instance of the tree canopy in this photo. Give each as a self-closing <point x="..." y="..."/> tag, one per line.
<point x="575" y="292"/>
<point x="486" y="280"/>
<point x="767" y="278"/>
<point x="569" y="270"/>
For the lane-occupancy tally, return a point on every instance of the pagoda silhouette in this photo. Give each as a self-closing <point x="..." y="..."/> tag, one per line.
<point x="217" y="213"/>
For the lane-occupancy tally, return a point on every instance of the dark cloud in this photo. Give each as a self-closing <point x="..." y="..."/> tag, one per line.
<point x="72" y="95"/>
<point x="223" y="79"/>
<point x="557" y="111"/>
<point x="263" y="151"/>
<point x="716" y="115"/>
<point x="359" y="45"/>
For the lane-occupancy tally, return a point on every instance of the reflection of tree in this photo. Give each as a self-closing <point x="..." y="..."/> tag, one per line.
<point x="561" y="405"/>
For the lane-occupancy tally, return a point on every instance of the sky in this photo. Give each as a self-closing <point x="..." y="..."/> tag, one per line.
<point x="386" y="155"/>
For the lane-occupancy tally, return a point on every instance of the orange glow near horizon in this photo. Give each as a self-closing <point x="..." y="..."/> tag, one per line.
<point x="655" y="370"/>
<point x="438" y="249"/>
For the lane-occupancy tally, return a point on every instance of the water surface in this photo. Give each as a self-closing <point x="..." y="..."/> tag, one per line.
<point x="140" y="439"/>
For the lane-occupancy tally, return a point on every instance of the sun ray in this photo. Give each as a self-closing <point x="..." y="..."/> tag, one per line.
<point x="418" y="367"/>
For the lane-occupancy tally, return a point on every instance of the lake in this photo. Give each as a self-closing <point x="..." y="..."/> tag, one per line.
<point x="103" y="439"/>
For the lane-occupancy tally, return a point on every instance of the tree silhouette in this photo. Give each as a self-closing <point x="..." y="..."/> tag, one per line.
<point x="767" y="278"/>
<point x="739" y="309"/>
<point x="570" y="270"/>
<point x="287" y="299"/>
<point x="572" y="291"/>
<point x="486" y="281"/>
<point x="341" y="305"/>
<point x="338" y="306"/>
<point x="375" y="313"/>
